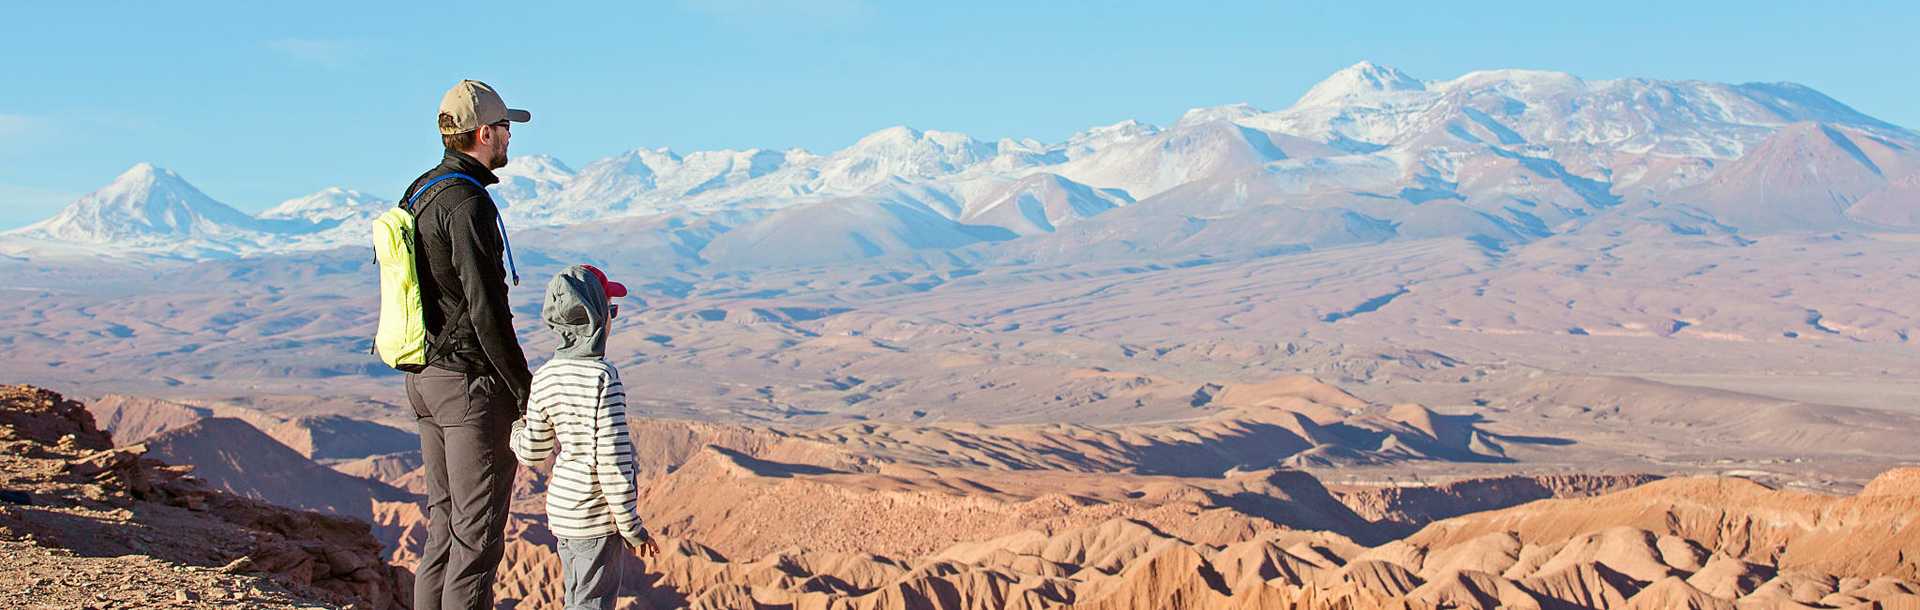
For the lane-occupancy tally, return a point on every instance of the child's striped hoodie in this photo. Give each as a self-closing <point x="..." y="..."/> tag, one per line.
<point x="578" y="411"/>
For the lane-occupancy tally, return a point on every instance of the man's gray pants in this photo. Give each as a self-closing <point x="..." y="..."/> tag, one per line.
<point x="590" y="569"/>
<point x="464" y="421"/>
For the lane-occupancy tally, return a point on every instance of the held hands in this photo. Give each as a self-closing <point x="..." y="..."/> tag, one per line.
<point x="517" y="438"/>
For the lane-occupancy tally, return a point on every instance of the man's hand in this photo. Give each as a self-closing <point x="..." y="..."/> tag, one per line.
<point x="642" y="542"/>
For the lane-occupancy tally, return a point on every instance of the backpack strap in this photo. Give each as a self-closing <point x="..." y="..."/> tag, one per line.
<point x="507" y="244"/>
<point x="429" y="186"/>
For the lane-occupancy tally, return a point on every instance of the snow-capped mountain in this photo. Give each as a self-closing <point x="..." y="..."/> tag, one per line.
<point x="1191" y="150"/>
<point x="1370" y="153"/>
<point x="1093" y="140"/>
<point x="1370" y="106"/>
<point x="329" y="207"/>
<point x="652" y="181"/>
<point x="153" y="211"/>
<point x="646" y="181"/>
<point x="1498" y="142"/>
<point x="529" y="178"/>
<point x="326" y="219"/>
<point x="900" y="152"/>
<point x="1041" y="203"/>
<point x="144" y="205"/>
<point x="1358" y="83"/>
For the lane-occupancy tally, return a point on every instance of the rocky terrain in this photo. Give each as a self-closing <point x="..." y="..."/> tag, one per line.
<point x="840" y="518"/>
<point x="86" y="524"/>
<point x="131" y="419"/>
<point x="235" y="449"/>
<point x="1211" y="512"/>
<point x="1672" y="544"/>
<point x="802" y="537"/>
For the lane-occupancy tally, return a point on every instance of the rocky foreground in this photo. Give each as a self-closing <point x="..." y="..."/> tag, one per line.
<point x="968" y="517"/>
<point x="86" y="525"/>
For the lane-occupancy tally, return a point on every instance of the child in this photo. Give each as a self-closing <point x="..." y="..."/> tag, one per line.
<point x="578" y="409"/>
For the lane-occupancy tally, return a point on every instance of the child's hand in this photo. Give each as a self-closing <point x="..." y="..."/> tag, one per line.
<point x="642" y="542"/>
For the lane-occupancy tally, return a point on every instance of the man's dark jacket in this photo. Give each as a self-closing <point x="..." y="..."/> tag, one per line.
<point x="463" y="286"/>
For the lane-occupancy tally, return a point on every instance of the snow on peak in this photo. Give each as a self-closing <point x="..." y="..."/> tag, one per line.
<point x="144" y="171"/>
<point x="1534" y="82"/>
<point x="902" y="137"/>
<point x="901" y="146"/>
<point x="901" y="152"/>
<point x="1127" y="128"/>
<point x="1229" y="112"/>
<point x="1118" y="132"/>
<point x="529" y="177"/>
<point x="799" y="155"/>
<point x="1023" y="145"/>
<point x="144" y="202"/>
<point x="143" y="177"/>
<point x="1092" y="140"/>
<point x="541" y="167"/>
<point x="332" y="204"/>
<point x="654" y="158"/>
<point x="897" y="134"/>
<point x="1359" y="80"/>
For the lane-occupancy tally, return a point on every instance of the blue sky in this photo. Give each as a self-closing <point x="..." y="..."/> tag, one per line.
<point x="256" y="103"/>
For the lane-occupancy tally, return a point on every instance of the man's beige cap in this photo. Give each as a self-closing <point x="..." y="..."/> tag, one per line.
<point x="471" y="105"/>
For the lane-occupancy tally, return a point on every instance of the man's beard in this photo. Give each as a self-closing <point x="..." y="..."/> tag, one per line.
<point x="499" y="156"/>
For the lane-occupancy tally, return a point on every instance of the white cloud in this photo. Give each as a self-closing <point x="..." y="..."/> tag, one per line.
<point x="330" y="54"/>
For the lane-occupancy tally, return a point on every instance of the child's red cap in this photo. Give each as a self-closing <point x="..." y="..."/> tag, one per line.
<point x="614" y="289"/>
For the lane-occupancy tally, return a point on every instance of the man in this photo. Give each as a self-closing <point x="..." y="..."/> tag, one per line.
<point x="476" y="380"/>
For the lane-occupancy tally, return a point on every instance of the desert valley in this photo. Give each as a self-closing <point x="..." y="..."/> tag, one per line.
<point x="1510" y="340"/>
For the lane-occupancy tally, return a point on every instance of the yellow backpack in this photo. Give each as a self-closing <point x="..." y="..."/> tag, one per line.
<point x="401" y="340"/>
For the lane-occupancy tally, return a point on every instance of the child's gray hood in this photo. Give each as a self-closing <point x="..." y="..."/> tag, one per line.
<point x="576" y="308"/>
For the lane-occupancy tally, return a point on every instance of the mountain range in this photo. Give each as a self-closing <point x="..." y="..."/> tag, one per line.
<point x="1370" y="154"/>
